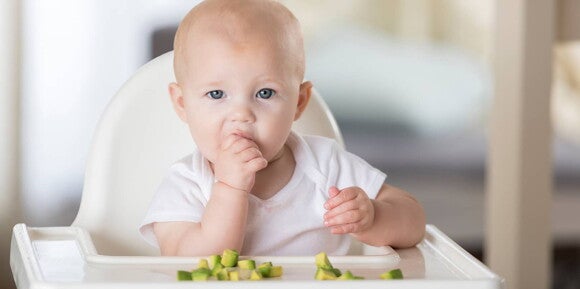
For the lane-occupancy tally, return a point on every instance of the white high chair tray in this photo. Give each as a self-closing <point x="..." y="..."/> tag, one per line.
<point x="65" y="257"/>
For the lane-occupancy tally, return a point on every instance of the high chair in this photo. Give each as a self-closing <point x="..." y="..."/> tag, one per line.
<point x="138" y="138"/>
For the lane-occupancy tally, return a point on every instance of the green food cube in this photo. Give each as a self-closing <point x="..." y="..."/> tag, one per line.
<point x="183" y="275"/>
<point x="234" y="275"/>
<point x="322" y="261"/>
<point x="266" y="264"/>
<point x="213" y="260"/>
<point x="255" y="275"/>
<point x="202" y="264"/>
<point x="223" y="275"/>
<point x="245" y="274"/>
<point x="216" y="269"/>
<point x="276" y="271"/>
<point x="346" y="276"/>
<point x="393" y="274"/>
<point x="247" y="264"/>
<point x="324" y="274"/>
<point x="265" y="269"/>
<point x="200" y="274"/>
<point x="230" y="258"/>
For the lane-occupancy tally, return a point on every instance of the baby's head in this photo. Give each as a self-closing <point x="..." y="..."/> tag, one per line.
<point x="239" y="66"/>
<point x="242" y="23"/>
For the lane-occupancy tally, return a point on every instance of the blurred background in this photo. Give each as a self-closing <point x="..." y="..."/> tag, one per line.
<point x="409" y="81"/>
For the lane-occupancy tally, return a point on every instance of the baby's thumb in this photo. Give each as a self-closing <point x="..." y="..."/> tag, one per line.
<point x="333" y="192"/>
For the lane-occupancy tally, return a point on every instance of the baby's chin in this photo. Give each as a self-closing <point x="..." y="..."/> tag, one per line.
<point x="279" y="155"/>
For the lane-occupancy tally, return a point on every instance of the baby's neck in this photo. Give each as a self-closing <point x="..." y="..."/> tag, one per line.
<point x="275" y="176"/>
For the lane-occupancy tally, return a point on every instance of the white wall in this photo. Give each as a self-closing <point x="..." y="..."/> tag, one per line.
<point x="76" y="54"/>
<point x="9" y="113"/>
<point x="9" y="109"/>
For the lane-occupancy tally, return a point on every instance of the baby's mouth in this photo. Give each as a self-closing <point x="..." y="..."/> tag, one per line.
<point x="244" y="135"/>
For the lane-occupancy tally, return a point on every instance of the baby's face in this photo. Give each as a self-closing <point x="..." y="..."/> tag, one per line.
<point x="249" y="89"/>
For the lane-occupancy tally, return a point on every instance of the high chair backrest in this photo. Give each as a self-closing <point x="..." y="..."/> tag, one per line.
<point x="139" y="136"/>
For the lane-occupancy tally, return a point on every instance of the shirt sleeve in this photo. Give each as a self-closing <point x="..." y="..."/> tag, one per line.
<point x="178" y="198"/>
<point x="347" y="170"/>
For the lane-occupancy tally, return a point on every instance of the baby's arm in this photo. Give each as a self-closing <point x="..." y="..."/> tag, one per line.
<point x="393" y="218"/>
<point x="224" y="220"/>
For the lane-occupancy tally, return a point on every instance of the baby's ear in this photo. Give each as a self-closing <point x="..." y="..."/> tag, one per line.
<point x="303" y="98"/>
<point x="176" y="94"/>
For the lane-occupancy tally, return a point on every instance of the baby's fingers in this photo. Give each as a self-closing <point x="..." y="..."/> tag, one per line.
<point x="257" y="164"/>
<point x="249" y="154"/>
<point x="348" y="217"/>
<point x="229" y="141"/>
<point x="333" y="192"/>
<point x="343" y="196"/>
<point x="241" y="144"/>
<point x="346" y="229"/>
<point x="340" y="209"/>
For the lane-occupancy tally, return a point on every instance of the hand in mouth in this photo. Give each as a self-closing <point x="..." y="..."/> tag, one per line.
<point x="243" y="134"/>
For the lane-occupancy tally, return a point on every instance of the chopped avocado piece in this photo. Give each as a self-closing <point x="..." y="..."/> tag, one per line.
<point x="393" y="274"/>
<point x="223" y="275"/>
<point x="202" y="270"/>
<point x="346" y="276"/>
<point x="247" y="264"/>
<point x="255" y="275"/>
<point x="276" y="271"/>
<point x="245" y="274"/>
<point x="268" y="264"/>
<point x="322" y="261"/>
<point x="234" y="275"/>
<point x="200" y="274"/>
<point x="202" y="264"/>
<point x="201" y="277"/>
<point x="213" y="260"/>
<point x="230" y="258"/>
<point x="324" y="274"/>
<point x="183" y="275"/>
<point x="216" y="269"/>
<point x="336" y="272"/>
<point x="228" y="267"/>
<point x="265" y="269"/>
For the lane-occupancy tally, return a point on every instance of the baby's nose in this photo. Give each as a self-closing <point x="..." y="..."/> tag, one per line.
<point x="242" y="112"/>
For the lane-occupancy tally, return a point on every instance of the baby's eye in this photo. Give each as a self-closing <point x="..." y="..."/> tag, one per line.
<point x="265" y="93"/>
<point x="215" y="94"/>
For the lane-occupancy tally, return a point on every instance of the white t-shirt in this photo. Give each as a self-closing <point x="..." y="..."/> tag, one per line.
<point x="288" y="223"/>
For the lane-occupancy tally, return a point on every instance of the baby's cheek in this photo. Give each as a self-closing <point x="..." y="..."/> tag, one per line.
<point x="211" y="153"/>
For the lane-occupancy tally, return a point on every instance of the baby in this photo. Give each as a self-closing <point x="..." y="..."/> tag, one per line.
<point x="252" y="184"/>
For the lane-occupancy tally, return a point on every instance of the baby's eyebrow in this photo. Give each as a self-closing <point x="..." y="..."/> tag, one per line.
<point x="268" y="79"/>
<point x="213" y="83"/>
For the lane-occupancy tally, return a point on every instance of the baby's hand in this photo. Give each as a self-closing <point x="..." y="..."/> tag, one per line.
<point x="348" y="211"/>
<point x="237" y="163"/>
